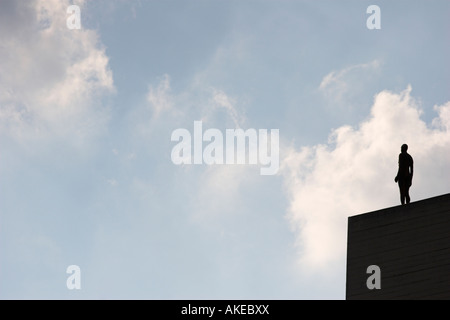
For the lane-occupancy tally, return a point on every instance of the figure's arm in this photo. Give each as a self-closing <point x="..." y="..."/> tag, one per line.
<point x="412" y="168"/>
<point x="398" y="171"/>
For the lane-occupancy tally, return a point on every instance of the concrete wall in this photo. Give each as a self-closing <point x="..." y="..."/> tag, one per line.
<point x="411" y="246"/>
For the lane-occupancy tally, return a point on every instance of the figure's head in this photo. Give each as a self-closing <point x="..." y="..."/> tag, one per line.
<point x="404" y="147"/>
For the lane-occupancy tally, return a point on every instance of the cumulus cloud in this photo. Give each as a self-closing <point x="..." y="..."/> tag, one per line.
<point x="354" y="173"/>
<point x="52" y="78"/>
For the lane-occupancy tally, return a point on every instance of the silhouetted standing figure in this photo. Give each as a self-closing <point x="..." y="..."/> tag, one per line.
<point x="404" y="174"/>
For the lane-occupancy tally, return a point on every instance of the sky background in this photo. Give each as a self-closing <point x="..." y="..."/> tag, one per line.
<point x="86" y="117"/>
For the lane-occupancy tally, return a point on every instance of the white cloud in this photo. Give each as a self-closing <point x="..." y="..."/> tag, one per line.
<point x="354" y="173"/>
<point x="52" y="77"/>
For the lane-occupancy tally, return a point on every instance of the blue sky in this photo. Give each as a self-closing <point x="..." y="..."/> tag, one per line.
<point x="86" y="118"/>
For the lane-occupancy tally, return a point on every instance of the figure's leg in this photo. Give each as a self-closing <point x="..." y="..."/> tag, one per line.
<point x="408" y="199"/>
<point x="402" y="192"/>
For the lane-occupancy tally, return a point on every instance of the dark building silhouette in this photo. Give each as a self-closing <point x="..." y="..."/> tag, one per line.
<point x="411" y="246"/>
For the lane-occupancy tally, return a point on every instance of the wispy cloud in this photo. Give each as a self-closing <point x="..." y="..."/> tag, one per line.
<point x="159" y="98"/>
<point x="336" y="85"/>
<point x="222" y="100"/>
